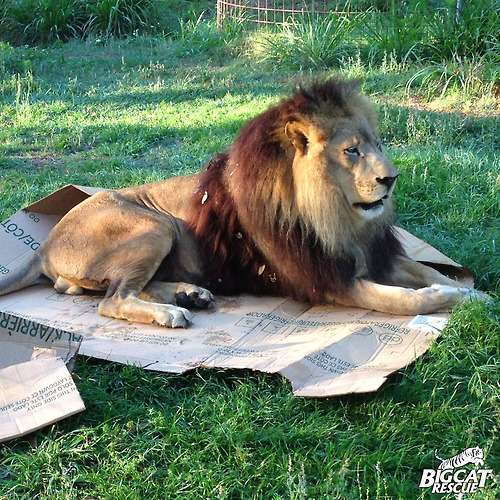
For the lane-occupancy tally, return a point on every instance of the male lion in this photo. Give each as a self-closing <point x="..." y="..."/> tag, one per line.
<point x="300" y="205"/>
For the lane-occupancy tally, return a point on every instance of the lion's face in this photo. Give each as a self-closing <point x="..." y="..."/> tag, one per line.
<point x="361" y="170"/>
<point x="345" y="157"/>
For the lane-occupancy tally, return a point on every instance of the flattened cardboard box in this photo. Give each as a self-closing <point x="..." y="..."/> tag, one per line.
<point x="36" y="388"/>
<point x="322" y="350"/>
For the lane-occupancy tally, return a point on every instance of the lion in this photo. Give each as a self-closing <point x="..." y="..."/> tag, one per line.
<point x="300" y="205"/>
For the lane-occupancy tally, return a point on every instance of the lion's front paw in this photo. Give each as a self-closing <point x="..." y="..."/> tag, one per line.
<point x="194" y="296"/>
<point x="442" y="297"/>
<point x="439" y="297"/>
<point x="172" y="316"/>
<point x="473" y="294"/>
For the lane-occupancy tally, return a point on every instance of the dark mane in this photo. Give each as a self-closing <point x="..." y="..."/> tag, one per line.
<point x="230" y="256"/>
<point x="244" y="216"/>
<point x="233" y="261"/>
<point x="333" y="92"/>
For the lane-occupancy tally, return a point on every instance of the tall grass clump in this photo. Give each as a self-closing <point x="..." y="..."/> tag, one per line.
<point x="312" y="42"/>
<point x="40" y="21"/>
<point x="398" y="32"/>
<point x="122" y="17"/>
<point x="200" y="34"/>
<point x="35" y="22"/>
<point x="473" y="29"/>
<point x="461" y="52"/>
<point x="473" y="76"/>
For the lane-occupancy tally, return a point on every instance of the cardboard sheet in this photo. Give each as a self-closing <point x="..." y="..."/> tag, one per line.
<point x="36" y="388"/>
<point x="323" y="351"/>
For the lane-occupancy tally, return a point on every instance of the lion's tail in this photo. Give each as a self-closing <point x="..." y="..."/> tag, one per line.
<point x="25" y="275"/>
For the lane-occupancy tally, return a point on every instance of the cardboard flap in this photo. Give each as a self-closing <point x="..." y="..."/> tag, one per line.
<point x="20" y="235"/>
<point x="63" y="200"/>
<point x="35" y="394"/>
<point x="36" y="388"/>
<point x="421" y="251"/>
<point x="426" y="254"/>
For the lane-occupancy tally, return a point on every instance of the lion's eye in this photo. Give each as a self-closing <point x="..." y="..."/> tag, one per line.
<point x="352" y="151"/>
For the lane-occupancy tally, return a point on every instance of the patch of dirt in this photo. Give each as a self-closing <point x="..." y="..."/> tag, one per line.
<point x="41" y="160"/>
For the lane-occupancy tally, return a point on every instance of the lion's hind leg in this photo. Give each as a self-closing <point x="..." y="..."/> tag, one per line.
<point x="155" y="304"/>
<point x="125" y="296"/>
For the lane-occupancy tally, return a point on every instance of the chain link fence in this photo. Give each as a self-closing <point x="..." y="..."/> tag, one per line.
<point x="277" y="12"/>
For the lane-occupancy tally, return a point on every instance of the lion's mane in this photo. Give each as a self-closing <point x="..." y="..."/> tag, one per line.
<point x="252" y="231"/>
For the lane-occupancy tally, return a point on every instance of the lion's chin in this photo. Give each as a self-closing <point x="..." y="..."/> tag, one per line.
<point x="370" y="211"/>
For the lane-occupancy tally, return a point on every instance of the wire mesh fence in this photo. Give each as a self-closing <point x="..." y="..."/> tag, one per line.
<point x="277" y="12"/>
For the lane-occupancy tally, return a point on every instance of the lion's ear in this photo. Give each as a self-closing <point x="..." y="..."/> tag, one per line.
<point x="297" y="134"/>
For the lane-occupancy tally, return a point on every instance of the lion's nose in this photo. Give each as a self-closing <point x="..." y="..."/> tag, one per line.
<point x="387" y="181"/>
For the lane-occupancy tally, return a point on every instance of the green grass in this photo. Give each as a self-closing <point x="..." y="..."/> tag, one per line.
<point x="139" y="110"/>
<point x="311" y="42"/>
<point x="45" y="21"/>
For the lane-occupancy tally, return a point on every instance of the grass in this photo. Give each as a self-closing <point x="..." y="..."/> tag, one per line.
<point x="46" y="21"/>
<point x="141" y="109"/>
<point x="312" y="42"/>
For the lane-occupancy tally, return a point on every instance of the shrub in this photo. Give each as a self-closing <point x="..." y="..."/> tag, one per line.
<point x="399" y="31"/>
<point x="40" y="21"/>
<point x="475" y="30"/>
<point x="12" y="62"/>
<point x="311" y="42"/>
<point x="122" y="17"/>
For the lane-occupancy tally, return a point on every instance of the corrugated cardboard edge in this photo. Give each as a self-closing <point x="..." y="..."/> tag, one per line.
<point x="426" y="254"/>
<point x="63" y="200"/>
